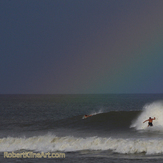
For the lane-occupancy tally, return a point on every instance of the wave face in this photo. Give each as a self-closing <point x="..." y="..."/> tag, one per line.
<point x="72" y="144"/>
<point x="154" y="109"/>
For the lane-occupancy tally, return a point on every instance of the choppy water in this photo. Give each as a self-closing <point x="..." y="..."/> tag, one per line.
<point x="54" y="123"/>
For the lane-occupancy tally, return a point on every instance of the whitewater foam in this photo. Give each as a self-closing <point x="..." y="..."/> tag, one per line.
<point x="154" y="109"/>
<point x="49" y="143"/>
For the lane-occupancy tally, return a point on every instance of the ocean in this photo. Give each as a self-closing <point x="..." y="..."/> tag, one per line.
<point x="52" y="128"/>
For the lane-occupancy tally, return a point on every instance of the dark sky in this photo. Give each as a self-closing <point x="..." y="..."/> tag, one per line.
<point x="81" y="46"/>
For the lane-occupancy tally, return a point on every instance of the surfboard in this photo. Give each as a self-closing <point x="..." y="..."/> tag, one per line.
<point x="83" y="117"/>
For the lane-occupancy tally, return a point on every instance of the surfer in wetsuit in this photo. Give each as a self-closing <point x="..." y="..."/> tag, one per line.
<point x="150" y="120"/>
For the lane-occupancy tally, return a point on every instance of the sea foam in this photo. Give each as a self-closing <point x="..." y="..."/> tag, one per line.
<point x="51" y="143"/>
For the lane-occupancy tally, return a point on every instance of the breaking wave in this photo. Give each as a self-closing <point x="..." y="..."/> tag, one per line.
<point x="154" y="109"/>
<point x="72" y="144"/>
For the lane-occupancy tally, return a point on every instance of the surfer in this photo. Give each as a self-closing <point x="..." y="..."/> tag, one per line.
<point x="86" y="116"/>
<point x="150" y="120"/>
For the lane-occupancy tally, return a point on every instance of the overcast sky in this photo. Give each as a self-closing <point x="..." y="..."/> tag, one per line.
<point x="81" y="46"/>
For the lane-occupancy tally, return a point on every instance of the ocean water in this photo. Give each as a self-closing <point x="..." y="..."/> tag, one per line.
<point x="54" y="123"/>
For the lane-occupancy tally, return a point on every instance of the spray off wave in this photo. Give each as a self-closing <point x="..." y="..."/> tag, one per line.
<point x="98" y="112"/>
<point x="154" y="109"/>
